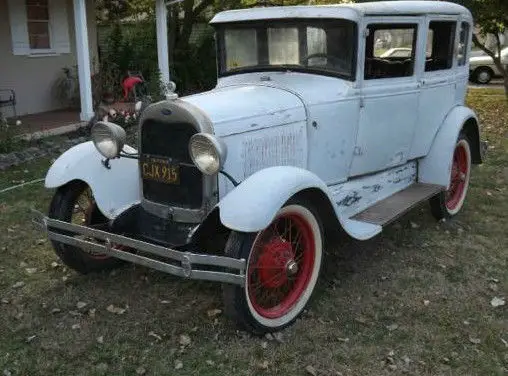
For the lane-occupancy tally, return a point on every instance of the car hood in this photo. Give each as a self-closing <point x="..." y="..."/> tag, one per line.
<point x="248" y="107"/>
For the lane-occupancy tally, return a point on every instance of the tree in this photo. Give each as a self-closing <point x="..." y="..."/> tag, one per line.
<point x="491" y="17"/>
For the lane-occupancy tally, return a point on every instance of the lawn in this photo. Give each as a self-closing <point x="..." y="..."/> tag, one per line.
<point x="415" y="300"/>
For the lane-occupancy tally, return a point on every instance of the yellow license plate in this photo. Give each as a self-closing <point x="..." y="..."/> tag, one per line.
<point x="160" y="170"/>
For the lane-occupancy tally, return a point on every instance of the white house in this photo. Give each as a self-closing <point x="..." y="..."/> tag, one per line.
<point x="40" y="37"/>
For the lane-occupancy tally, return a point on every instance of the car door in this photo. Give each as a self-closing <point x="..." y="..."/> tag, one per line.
<point x="438" y="80"/>
<point x="389" y="95"/>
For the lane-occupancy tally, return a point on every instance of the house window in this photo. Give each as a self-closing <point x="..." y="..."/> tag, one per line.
<point x="441" y="41"/>
<point x="390" y="50"/>
<point x="38" y="24"/>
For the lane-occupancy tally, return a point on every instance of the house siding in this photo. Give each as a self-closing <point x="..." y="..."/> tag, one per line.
<point x="33" y="77"/>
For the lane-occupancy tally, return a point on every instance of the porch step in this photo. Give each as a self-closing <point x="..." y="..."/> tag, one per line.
<point x="389" y="209"/>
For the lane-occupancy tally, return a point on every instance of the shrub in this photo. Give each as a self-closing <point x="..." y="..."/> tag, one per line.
<point x="8" y="140"/>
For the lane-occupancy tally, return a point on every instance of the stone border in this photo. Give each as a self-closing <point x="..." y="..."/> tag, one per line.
<point x="43" y="149"/>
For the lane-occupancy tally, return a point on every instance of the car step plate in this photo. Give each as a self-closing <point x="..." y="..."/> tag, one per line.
<point x="389" y="209"/>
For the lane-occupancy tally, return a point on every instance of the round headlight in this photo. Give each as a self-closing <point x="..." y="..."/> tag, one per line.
<point x="207" y="152"/>
<point x="108" y="138"/>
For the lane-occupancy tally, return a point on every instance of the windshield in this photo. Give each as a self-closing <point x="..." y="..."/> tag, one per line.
<point x="316" y="46"/>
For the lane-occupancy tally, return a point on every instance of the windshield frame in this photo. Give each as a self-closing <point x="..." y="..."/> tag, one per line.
<point x="284" y="22"/>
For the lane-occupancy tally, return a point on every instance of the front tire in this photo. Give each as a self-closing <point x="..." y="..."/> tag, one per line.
<point x="283" y="265"/>
<point x="74" y="203"/>
<point x="447" y="204"/>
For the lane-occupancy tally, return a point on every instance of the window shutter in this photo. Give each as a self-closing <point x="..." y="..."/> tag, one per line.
<point x="19" y="27"/>
<point x="59" y="23"/>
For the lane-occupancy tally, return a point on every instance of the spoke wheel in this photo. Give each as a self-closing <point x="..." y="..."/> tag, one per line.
<point x="86" y="213"/>
<point x="75" y="203"/>
<point x="459" y="177"/>
<point x="280" y="265"/>
<point x="448" y="203"/>
<point x="283" y="264"/>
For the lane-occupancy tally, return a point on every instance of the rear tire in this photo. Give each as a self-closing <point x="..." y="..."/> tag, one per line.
<point x="447" y="204"/>
<point x="283" y="265"/>
<point x="68" y="204"/>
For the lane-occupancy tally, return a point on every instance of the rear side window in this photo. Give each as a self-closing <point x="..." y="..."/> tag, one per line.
<point x="440" y="43"/>
<point x="463" y="44"/>
<point x="389" y="50"/>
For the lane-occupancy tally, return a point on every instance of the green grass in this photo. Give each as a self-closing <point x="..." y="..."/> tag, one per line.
<point x="412" y="301"/>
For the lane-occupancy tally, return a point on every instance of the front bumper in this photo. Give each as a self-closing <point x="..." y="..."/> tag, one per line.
<point x="171" y="261"/>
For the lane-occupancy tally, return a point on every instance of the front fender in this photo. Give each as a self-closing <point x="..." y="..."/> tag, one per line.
<point x="114" y="189"/>
<point x="252" y="205"/>
<point x="436" y="166"/>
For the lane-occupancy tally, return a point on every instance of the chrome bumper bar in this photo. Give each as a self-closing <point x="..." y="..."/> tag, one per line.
<point x="98" y="241"/>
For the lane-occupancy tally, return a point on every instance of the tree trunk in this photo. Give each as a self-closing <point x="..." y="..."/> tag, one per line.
<point x="505" y="81"/>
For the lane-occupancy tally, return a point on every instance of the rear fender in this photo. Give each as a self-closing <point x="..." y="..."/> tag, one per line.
<point x="436" y="166"/>
<point x="114" y="189"/>
<point x="252" y="205"/>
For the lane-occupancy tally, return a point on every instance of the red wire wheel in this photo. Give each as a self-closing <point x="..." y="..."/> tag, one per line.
<point x="459" y="181"/>
<point x="448" y="203"/>
<point x="281" y="265"/>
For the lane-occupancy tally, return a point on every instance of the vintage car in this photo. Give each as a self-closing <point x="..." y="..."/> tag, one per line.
<point x="306" y="133"/>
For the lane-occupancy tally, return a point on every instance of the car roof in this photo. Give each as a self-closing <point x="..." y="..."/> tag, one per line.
<point x="348" y="11"/>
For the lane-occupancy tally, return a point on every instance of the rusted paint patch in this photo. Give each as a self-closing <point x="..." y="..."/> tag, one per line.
<point x="282" y="147"/>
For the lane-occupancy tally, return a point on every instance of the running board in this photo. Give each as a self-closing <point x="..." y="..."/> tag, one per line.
<point x="391" y="208"/>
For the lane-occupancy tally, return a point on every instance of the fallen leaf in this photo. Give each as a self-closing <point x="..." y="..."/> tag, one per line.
<point x="426" y="302"/>
<point x="31" y="270"/>
<point x="81" y="305"/>
<point x="76" y="326"/>
<point x="18" y="285"/>
<point x="41" y="241"/>
<point x="100" y="339"/>
<point x="269" y="336"/>
<point x="117" y="310"/>
<point x="140" y="371"/>
<point x="392" y="327"/>
<point x="165" y="302"/>
<point x="91" y="312"/>
<point x="475" y="341"/>
<point x="504" y="341"/>
<point x="495" y="280"/>
<point x="263" y="364"/>
<point x="30" y="338"/>
<point x="210" y="362"/>
<point x="343" y="339"/>
<point x="6" y="372"/>
<point x="155" y="335"/>
<point x="414" y="225"/>
<point x="497" y="302"/>
<point x="264" y="345"/>
<point x="5" y="301"/>
<point x="392" y="367"/>
<point x="278" y="337"/>
<point x="56" y="310"/>
<point x="178" y="364"/>
<point x="185" y="340"/>
<point x="54" y="264"/>
<point x="213" y="312"/>
<point x="311" y="370"/>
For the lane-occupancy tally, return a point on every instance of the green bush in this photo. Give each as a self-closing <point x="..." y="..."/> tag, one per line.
<point x="8" y="140"/>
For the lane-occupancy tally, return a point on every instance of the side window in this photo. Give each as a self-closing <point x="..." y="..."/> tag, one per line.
<point x="463" y="44"/>
<point x="440" y="43"/>
<point x="389" y="50"/>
